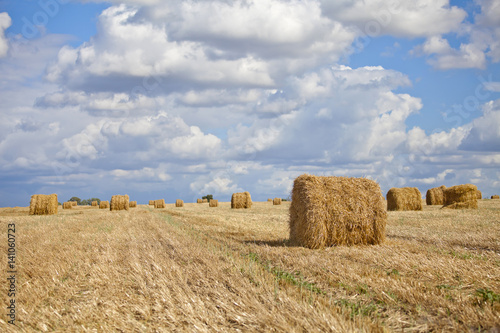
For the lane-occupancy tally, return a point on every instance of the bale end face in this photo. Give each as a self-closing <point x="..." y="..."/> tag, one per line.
<point x="119" y="202"/>
<point x="329" y="211"/>
<point x="406" y="198"/>
<point x="213" y="203"/>
<point x="241" y="200"/>
<point x="460" y="197"/>
<point x="179" y="203"/>
<point x="43" y="204"/>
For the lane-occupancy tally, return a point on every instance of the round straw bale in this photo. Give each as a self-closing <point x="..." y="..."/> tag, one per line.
<point x="241" y="200"/>
<point x="67" y="205"/>
<point x="479" y="195"/>
<point x="133" y="204"/>
<point x="74" y="203"/>
<point x="119" y="202"/>
<point x="405" y="198"/>
<point x="179" y="203"/>
<point x="199" y="201"/>
<point x="94" y="203"/>
<point x="269" y="200"/>
<point x="43" y="204"/>
<point x="104" y="205"/>
<point x="213" y="203"/>
<point x="160" y="203"/>
<point x="435" y="196"/>
<point x="151" y="202"/>
<point x="328" y="211"/>
<point x="460" y="196"/>
<point x="204" y="200"/>
<point x="495" y="196"/>
<point x="277" y="201"/>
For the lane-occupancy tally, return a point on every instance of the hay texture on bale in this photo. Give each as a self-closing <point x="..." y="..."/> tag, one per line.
<point x="67" y="205"/>
<point x="460" y="197"/>
<point x="104" y="205"/>
<point x="435" y="196"/>
<point x="479" y="195"/>
<point x="43" y="204"/>
<point x="132" y="204"/>
<point x="119" y="202"/>
<point x="495" y="196"/>
<point x="94" y="203"/>
<point x="204" y="200"/>
<point x="74" y="203"/>
<point x="179" y="203"/>
<point x="328" y="211"/>
<point x="199" y="201"/>
<point x="160" y="203"/>
<point x="151" y="202"/>
<point x="241" y="200"/>
<point x="213" y="203"/>
<point x="405" y="198"/>
<point x="277" y="201"/>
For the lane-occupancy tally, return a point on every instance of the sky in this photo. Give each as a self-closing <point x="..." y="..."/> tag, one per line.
<point x="179" y="99"/>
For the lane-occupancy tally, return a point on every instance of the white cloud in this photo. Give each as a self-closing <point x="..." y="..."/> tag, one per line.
<point x="5" y="22"/>
<point x="484" y="134"/>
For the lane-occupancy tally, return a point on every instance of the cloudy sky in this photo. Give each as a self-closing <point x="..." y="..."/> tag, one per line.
<point x="177" y="99"/>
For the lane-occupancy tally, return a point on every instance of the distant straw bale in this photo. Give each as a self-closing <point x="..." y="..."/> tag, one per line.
<point x="269" y="200"/>
<point x="435" y="196"/>
<point x="204" y="200"/>
<point x="160" y="203"/>
<point x="119" y="202"/>
<point x="479" y="195"/>
<point x="151" y="202"/>
<point x="74" y="203"/>
<point x="495" y="196"/>
<point x="104" y="205"/>
<point x="328" y="211"/>
<point x="241" y="200"/>
<point x="213" y="203"/>
<point x="199" y="201"/>
<point x="43" y="204"/>
<point x="132" y="204"/>
<point x="460" y="197"/>
<point x="94" y="203"/>
<point x="179" y="203"/>
<point x="405" y="198"/>
<point x="67" y="205"/>
<point x="277" y="201"/>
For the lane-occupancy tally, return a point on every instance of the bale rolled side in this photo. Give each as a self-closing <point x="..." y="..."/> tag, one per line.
<point x="67" y="205"/>
<point x="213" y="203"/>
<point x="119" y="202"/>
<point x="160" y="203"/>
<point x="104" y="205"/>
<point x="179" y="203"/>
<point x="43" y="204"/>
<point x="435" y="196"/>
<point x="495" y="196"/>
<point x="241" y="200"/>
<point x="460" y="197"/>
<point x="277" y="201"/>
<point x="132" y="204"/>
<point x="405" y="198"/>
<point x="328" y="211"/>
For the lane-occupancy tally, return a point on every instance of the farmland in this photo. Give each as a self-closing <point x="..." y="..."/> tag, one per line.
<point x="201" y="268"/>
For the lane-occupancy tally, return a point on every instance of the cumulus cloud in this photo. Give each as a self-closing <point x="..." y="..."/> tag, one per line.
<point x="484" y="134"/>
<point x="5" y="22"/>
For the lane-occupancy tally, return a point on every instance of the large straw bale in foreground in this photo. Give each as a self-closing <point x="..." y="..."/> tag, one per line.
<point x="104" y="205"/>
<point x="160" y="203"/>
<point x="479" y="195"/>
<point x="179" y="203"/>
<point x="460" y="197"/>
<point x="213" y="203"/>
<point x="495" y="196"/>
<point x="43" y="204"/>
<point x="405" y="198"/>
<point x="327" y="211"/>
<point x="67" y="205"/>
<point x="435" y="196"/>
<point x="277" y="201"/>
<point x="241" y="200"/>
<point x="119" y="202"/>
<point x="94" y="203"/>
<point x="133" y="204"/>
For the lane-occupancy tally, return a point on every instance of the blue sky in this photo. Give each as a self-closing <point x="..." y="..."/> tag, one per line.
<point x="179" y="99"/>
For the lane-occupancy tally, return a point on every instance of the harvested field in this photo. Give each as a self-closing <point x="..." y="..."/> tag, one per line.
<point x="204" y="269"/>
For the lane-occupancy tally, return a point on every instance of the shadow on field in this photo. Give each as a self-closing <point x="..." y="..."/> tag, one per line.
<point x="271" y="243"/>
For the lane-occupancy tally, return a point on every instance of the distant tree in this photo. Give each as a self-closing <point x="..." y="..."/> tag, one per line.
<point x="77" y="199"/>
<point x="208" y="197"/>
<point x="88" y="202"/>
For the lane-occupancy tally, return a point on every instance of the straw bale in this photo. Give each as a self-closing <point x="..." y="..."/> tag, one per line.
<point x="405" y="198"/>
<point x="241" y="200"/>
<point x="479" y="195"/>
<point x="74" y="203"/>
<point x="204" y="200"/>
<point x="151" y="202"/>
<point x="104" y="205"/>
<point x="460" y="197"/>
<point x="179" y="203"/>
<point x="269" y="200"/>
<point x="119" y="202"/>
<point x="495" y="196"/>
<point x="43" y="204"/>
<point x="213" y="203"/>
<point x="132" y="204"/>
<point x="160" y="203"/>
<point x="277" y="201"/>
<point x="67" y="205"/>
<point x="328" y="211"/>
<point x="435" y="196"/>
<point x="199" y="201"/>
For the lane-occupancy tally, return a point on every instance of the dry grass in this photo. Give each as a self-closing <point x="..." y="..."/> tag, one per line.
<point x="405" y="198"/>
<point x="43" y="204"/>
<point x="460" y="197"/>
<point x="224" y="270"/>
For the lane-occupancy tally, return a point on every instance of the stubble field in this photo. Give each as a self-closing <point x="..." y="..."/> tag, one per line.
<point x="202" y="269"/>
